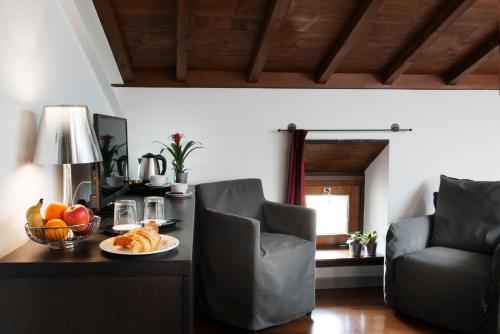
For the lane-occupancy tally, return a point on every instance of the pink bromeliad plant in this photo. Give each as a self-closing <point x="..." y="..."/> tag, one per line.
<point x="179" y="151"/>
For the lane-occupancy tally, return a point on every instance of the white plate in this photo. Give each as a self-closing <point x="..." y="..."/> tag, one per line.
<point x="166" y="185"/>
<point x="167" y="243"/>
<point x="177" y="195"/>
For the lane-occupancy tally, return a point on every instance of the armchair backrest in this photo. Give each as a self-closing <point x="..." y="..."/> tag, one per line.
<point x="467" y="215"/>
<point x="242" y="197"/>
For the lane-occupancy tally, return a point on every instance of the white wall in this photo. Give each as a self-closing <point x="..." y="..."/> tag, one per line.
<point x="41" y="62"/>
<point x="376" y="204"/>
<point x="455" y="133"/>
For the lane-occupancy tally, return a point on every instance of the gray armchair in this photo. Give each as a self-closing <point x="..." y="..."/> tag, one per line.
<point x="445" y="268"/>
<point x="255" y="263"/>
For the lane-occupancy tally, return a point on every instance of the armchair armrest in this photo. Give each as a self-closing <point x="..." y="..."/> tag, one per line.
<point x="230" y="245"/>
<point x="291" y="219"/>
<point x="405" y="237"/>
<point x="224" y="231"/>
<point x="408" y="236"/>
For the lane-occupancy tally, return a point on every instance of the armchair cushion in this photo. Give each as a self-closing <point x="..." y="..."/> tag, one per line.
<point x="446" y="286"/>
<point x="467" y="215"/>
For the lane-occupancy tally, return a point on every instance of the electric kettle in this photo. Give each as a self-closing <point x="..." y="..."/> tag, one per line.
<point x="149" y="164"/>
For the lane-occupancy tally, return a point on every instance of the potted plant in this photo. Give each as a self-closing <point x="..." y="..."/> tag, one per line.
<point x="179" y="153"/>
<point x="370" y="243"/>
<point x="355" y="244"/>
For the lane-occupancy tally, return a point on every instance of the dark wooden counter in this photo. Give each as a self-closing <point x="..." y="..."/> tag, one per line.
<point x="85" y="290"/>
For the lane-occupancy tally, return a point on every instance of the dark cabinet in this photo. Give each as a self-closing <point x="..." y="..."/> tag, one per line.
<point x="86" y="291"/>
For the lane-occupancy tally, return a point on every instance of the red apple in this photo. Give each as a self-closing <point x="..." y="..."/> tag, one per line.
<point x="76" y="215"/>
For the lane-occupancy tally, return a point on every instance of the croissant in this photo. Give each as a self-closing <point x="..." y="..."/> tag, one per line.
<point x="144" y="239"/>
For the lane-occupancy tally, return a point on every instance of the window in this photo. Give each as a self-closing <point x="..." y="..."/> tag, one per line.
<point x="338" y="207"/>
<point x="334" y="185"/>
<point x="332" y="212"/>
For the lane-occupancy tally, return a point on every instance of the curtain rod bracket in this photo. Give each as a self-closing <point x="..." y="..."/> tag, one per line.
<point x="395" y="127"/>
<point x="291" y="127"/>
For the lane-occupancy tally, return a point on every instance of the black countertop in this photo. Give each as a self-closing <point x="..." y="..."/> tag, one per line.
<point x="33" y="260"/>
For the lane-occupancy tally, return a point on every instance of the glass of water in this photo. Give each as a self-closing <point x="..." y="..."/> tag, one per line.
<point x="154" y="210"/>
<point x="125" y="217"/>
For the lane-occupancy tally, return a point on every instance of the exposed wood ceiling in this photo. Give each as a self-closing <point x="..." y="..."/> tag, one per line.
<point x="341" y="156"/>
<point x="430" y="44"/>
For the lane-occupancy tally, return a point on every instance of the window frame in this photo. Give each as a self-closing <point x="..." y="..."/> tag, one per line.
<point x="333" y="180"/>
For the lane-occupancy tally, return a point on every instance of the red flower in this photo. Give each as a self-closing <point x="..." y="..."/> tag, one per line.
<point x="176" y="137"/>
<point x="106" y="139"/>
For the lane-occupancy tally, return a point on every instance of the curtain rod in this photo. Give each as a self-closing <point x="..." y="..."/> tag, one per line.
<point x="394" y="128"/>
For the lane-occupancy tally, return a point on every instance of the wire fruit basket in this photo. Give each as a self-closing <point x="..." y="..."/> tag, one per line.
<point x="62" y="237"/>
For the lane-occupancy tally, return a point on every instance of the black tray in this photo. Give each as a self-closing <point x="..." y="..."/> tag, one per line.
<point x="171" y="222"/>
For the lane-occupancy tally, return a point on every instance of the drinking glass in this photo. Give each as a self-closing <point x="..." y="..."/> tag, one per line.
<point x="125" y="217"/>
<point x="154" y="209"/>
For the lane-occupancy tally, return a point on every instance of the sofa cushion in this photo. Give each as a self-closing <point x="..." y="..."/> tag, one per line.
<point x="445" y="286"/>
<point x="467" y="215"/>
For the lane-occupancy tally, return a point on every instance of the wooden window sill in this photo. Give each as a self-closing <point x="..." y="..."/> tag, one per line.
<point x="341" y="258"/>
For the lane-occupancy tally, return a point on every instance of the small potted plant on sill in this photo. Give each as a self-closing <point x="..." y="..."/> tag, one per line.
<point x="179" y="153"/>
<point x="370" y="243"/>
<point x="355" y="244"/>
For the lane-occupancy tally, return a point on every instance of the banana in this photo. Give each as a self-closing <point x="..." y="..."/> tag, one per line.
<point x="33" y="215"/>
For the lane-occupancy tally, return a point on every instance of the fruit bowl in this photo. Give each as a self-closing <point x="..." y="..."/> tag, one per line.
<point x="62" y="237"/>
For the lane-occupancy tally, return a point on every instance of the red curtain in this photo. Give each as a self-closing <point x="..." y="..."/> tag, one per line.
<point x="296" y="189"/>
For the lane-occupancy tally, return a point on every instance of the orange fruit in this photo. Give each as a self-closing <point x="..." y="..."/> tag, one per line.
<point x="55" y="234"/>
<point x="55" y="210"/>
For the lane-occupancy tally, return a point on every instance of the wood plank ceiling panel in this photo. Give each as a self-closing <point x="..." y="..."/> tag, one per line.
<point x="395" y="23"/>
<point x="443" y="18"/>
<point x="341" y="156"/>
<point x="358" y="22"/>
<point x="464" y="36"/>
<point x="218" y="43"/>
<point x="149" y="30"/>
<point x="276" y="12"/>
<point x="492" y="65"/>
<point x="183" y="31"/>
<point x="473" y="60"/>
<point x="224" y="33"/>
<point x="111" y="25"/>
<point x="308" y="30"/>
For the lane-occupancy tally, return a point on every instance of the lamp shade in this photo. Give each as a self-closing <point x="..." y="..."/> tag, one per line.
<point x="66" y="136"/>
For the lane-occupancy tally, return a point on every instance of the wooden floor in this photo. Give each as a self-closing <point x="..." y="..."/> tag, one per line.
<point x="338" y="311"/>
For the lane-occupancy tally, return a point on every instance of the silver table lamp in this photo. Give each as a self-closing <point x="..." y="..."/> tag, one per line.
<point x="66" y="137"/>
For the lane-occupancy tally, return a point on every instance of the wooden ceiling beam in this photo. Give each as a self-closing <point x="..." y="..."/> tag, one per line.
<point x="473" y="60"/>
<point x="453" y="10"/>
<point x="230" y="79"/>
<point x="343" y="44"/>
<point x="113" y="32"/>
<point x="276" y="13"/>
<point x="183" y="34"/>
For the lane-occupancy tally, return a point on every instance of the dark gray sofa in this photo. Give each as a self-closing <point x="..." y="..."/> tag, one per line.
<point x="445" y="268"/>
<point x="255" y="263"/>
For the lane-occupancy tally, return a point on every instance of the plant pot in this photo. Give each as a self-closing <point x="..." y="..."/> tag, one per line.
<point x="181" y="177"/>
<point x="355" y="249"/>
<point x="370" y="249"/>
